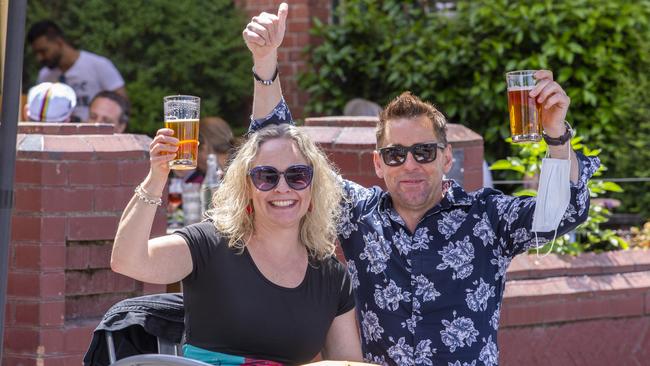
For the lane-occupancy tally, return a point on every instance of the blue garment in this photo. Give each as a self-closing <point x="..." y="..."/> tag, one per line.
<point x="433" y="296"/>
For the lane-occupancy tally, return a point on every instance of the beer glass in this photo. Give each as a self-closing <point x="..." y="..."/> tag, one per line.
<point x="182" y="116"/>
<point x="525" y="113"/>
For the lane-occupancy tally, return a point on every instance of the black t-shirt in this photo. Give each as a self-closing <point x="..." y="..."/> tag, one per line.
<point x="230" y="307"/>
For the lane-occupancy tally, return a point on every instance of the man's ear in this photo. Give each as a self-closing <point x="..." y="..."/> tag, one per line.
<point x="379" y="169"/>
<point x="448" y="159"/>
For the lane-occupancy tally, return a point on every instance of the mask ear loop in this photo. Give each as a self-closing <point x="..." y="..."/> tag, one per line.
<point x="554" y="234"/>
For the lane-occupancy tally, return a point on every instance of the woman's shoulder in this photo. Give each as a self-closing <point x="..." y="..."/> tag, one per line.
<point x="329" y="266"/>
<point x="204" y="231"/>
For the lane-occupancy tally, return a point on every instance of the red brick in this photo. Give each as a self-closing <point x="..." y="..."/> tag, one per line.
<point x="27" y="199"/>
<point x="52" y="285"/>
<point x="356" y="138"/>
<point x="117" y="147"/>
<point x="152" y="288"/>
<point x="67" y="148"/>
<point x="133" y="172"/>
<point x="53" y="229"/>
<point x="473" y="157"/>
<point x="91" y="306"/>
<point x="78" y="339"/>
<point x="77" y="257"/>
<point x="92" y="228"/>
<point x="112" y="199"/>
<point x="53" y="339"/>
<point x="94" y="173"/>
<point x="39" y="313"/>
<point x="366" y="162"/>
<point x="10" y="360"/>
<point x="40" y="172"/>
<point x="26" y="313"/>
<point x="472" y="179"/>
<point x="20" y="340"/>
<point x="23" y="284"/>
<point x="97" y="282"/>
<point x="25" y="228"/>
<point x="67" y="200"/>
<point x="346" y="162"/>
<point x="38" y="257"/>
<point x="647" y="302"/>
<point x="99" y="256"/>
<point x="26" y="256"/>
<point x="73" y="360"/>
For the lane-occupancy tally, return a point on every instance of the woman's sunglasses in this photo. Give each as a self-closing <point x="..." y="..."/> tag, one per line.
<point x="422" y="153"/>
<point x="265" y="178"/>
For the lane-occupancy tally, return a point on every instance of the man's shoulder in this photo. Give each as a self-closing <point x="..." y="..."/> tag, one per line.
<point x="93" y="58"/>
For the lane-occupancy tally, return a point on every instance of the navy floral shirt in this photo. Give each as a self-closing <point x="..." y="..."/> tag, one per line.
<point x="433" y="296"/>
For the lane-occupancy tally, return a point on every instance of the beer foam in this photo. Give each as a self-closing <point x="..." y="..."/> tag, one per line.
<point x="521" y="88"/>
<point x="180" y="120"/>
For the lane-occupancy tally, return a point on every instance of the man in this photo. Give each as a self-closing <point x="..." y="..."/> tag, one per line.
<point x="86" y="72"/>
<point x="110" y="107"/>
<point x="427" y="259"/>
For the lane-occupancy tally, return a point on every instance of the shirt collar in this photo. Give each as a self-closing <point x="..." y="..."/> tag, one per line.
<point x="454" y="196"/>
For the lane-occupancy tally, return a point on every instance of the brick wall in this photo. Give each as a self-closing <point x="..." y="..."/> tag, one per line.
<point x="593" y="309"/>
<point x="72" y="183"/>
<point x="291" y="58"/>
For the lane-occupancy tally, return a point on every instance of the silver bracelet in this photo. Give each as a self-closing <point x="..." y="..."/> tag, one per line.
<point x="145" y="197"/>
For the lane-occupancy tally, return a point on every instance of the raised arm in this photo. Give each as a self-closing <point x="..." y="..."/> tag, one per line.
<point x="161" y="260"/>
<point x="263" y="35"/>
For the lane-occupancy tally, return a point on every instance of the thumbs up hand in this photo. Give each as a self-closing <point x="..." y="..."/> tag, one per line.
<point x="264" y="34"/>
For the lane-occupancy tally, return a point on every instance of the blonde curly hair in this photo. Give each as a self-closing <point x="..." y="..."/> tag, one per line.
<point x="317" y="227"/>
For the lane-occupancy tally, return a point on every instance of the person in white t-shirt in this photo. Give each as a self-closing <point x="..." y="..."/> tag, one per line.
<point x="86" y="72"/>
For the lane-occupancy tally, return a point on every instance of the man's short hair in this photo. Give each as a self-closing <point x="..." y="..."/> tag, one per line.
<point x="117" y="98"/>
<point x="44" y="28"/>
<point x="407" y="105"/>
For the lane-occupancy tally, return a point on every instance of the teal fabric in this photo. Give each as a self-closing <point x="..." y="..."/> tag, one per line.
<point x="213" y="358"/>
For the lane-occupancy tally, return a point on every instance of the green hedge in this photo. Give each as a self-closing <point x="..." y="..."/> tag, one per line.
<point x="598" y="50"/>
<point x="161" y="48"/>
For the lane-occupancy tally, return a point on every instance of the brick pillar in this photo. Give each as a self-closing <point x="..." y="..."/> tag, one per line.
<point x="292" y="60"/>
<point x="350" y="141"/>
<point x="72" y="183"/>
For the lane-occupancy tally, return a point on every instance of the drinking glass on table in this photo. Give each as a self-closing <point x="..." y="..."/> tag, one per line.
<point x="182" y="114"/>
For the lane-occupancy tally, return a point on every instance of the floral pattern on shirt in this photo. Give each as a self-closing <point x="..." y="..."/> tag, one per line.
<point x="433" y="296"/>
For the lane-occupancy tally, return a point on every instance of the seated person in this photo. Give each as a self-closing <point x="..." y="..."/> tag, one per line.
<point x="50" y="102"/>
<point x="110" y="107"/>
<point x="215" y="137"/>
<point x="260" y="282"/>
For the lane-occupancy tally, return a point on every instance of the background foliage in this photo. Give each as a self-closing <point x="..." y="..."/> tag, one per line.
<point x="161" y="47"/>
<point x="598" y="49"/>
<point x="588" y="236"/>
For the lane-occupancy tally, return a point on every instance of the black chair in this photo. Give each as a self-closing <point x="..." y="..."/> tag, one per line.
<point x="141" y="326"/>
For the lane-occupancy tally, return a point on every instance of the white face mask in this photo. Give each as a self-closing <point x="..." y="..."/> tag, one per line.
<point x="553" y="195"/>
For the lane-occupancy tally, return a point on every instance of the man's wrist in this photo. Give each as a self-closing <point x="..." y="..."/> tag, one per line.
<point x="265" y="66"/>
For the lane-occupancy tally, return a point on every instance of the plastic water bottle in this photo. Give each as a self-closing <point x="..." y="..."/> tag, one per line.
<point x="210" y="183"/>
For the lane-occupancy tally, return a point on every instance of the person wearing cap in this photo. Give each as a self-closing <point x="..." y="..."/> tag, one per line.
<point x="86" y="72"/>
<point x="50" y="102"/>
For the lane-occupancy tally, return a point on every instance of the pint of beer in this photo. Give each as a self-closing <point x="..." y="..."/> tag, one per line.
<point x="525" y="113"/>
<point x="182" y="115"/>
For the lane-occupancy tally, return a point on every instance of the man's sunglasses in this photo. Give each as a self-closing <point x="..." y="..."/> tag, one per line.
<point x="265" y="178"/>
<point x="422" y="153"/>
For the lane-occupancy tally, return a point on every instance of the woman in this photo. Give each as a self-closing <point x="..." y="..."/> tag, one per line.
<point x="260" y="283"/>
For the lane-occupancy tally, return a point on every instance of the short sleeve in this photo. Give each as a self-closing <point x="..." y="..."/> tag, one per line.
<point x="202" y="239"/>
<point x="346" y="298"/>
<point x="109" y="76"/>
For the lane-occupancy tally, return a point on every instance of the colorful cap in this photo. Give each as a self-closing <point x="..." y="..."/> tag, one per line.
<point x="50" y="102"/>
